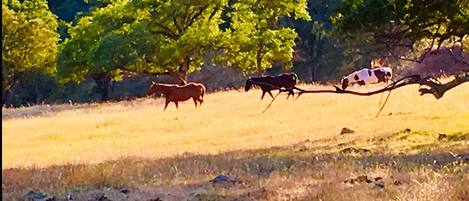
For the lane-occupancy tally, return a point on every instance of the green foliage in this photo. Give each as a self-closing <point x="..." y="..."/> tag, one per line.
<point x="29" y="39"/>
<point x="180" y="33"/>
<point x="403" y="23"/>
<point x="322" y="53"/>
<point x="76" y="54"/>
<point x="254" y="40"/>
<point x="69" y="11"/>
<point x="174" y="37"/>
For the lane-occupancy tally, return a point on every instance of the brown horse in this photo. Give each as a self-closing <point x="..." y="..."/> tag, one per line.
<point x="175" y="93"/>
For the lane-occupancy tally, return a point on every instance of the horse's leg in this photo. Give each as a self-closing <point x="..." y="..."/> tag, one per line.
<point x="270" y="93"/>
<point x="195" y="102"/>
<point x="291" y="92"/>
<point x="176" y="103"/>
<point x="166" y="104"/>
<point x="201" y="100"/>
<point x="263" y="93"/>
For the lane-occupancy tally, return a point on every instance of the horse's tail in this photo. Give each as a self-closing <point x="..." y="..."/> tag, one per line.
<point x="202" y="92"/>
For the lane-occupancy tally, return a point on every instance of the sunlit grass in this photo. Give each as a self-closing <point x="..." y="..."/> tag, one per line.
<point x="291" y="152"/>
<point x="227" y="121"/>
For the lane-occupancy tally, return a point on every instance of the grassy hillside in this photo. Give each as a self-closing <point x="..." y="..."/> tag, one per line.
<point x="292" y="151"/>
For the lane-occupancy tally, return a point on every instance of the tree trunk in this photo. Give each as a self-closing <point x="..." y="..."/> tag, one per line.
<point x="314" y="56"/>
<point x="38" y="95"/>
<point x="5" y="94"/>
<point x="259" y="58"/>
<point x="181" y="75"/>
<point x="179" y="78"/>
<point x="103" y="81"/>
<point x="317" y="48"/>
<point x="8" y="85"/>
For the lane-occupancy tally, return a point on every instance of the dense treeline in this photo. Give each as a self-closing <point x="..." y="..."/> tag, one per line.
<point x="94" y="50"/>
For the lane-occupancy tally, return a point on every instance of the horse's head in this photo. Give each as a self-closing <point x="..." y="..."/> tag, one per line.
<point x="248" y="85"/>
<point x="154" y="88"/>
<point x="376" y="63"/>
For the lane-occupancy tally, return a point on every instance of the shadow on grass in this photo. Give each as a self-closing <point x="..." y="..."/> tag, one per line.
<point x="45" y="110"/>
<point x="259" y="173"/>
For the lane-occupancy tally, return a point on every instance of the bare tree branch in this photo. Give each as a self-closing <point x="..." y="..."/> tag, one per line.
<point x="166" y="30"/>
<point x="164" y="33"/>
<point x="430" y="84"/>
<point x="215" y="10"/>
<point x="435" y="87"/>
<point x="194" y="17"/>
<point x="272" y="101"/>
<point x="177" y="25"/>
<point x="438" y="89"/>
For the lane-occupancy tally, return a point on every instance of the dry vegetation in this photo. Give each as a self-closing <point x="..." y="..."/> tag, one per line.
<point x="291" y="152"/>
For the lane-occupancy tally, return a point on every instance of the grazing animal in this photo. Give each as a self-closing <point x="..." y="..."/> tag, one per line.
<point x="367" y="76"/>
<point x="269" y="83"/>
<point x="175" y="93"/>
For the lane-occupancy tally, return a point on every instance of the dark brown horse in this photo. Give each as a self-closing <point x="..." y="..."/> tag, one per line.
<point x="175" y="93"/>
<point x="269" y="83"/>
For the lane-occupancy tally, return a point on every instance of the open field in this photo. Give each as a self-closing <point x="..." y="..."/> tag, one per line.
<point x="292" y="151"/>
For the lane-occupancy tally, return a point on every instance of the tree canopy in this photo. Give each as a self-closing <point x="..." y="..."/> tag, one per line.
<point x="173" y="37"/>
<point x="254" y="39"/>
<point x="29" y="40"/>
<point x="405" y="23"/>
<point x="106" y="40"/>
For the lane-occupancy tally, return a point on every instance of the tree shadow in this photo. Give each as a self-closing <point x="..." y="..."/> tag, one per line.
<point x="189" y="176"/>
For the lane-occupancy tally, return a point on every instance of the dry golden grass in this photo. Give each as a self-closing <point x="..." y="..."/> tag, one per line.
<point x="138" y="146"/>
<point x="227" y="121"/>
<point x="284" y="173"/>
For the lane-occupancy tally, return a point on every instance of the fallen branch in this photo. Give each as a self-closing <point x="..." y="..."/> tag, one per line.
<point x="381" y="107"/>
<point x="433" y="86"/>
<point x="413" y="79"/>
<point x="438" y="89"/>
<point x="268" y="106"/>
